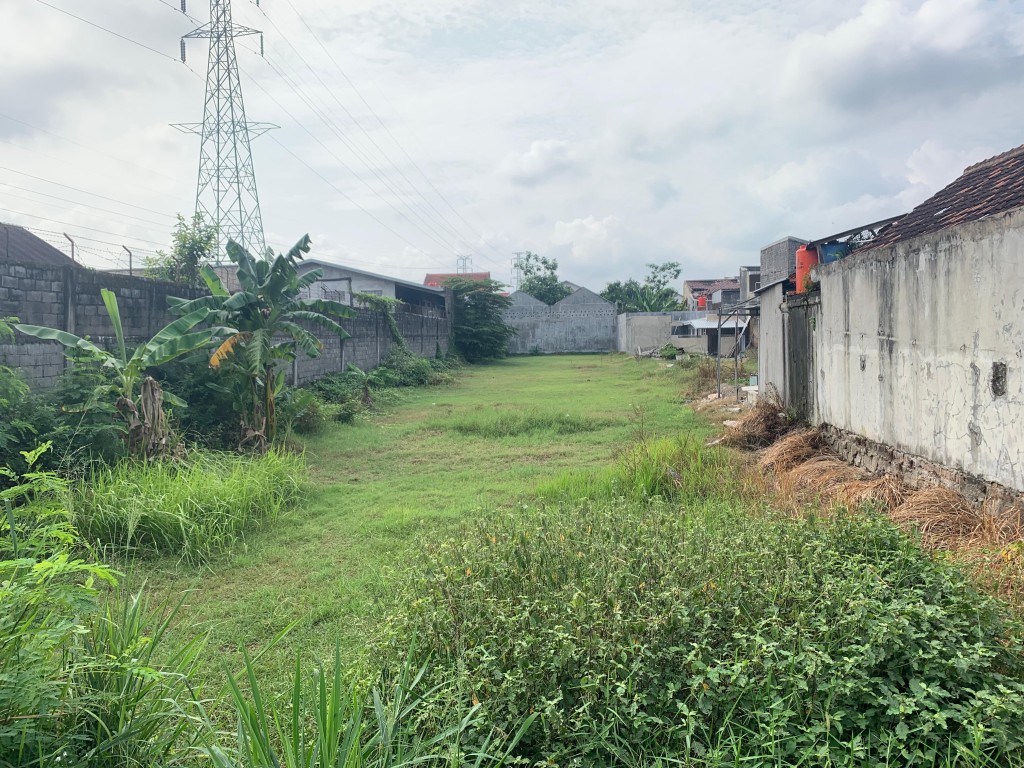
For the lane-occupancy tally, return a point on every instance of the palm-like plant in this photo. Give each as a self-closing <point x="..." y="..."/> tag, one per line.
<point x="269" y="324"/>
<point x="145" y="429"/>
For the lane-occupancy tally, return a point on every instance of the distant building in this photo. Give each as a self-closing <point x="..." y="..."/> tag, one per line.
<point x="437" y="279"/>
<point x="750" y="281"/>
<point x="340" y="283"/>
<point x="19" y="245"/>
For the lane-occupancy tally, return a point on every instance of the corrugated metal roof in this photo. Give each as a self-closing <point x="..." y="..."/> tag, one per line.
<point x="19" y="245"/>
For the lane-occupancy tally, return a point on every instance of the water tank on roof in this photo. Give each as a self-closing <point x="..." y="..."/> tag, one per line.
<point x="806" y="257"/>
<point x="702" y="302"/>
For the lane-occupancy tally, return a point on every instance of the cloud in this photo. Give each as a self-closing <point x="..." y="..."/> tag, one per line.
<point x="544" y="161"/>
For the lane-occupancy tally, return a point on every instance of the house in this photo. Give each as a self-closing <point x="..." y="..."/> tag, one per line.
<point x="908" y="351"/>
<point x="695" y="290"/>
<point x="339" y="283"/>
<point x="437" y="279"/>
<point x="20" y="246"/>
<point x="750" y="281"/>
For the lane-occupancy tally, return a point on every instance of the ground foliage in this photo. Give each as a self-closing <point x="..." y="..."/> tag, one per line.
<point x="697" y="629"/>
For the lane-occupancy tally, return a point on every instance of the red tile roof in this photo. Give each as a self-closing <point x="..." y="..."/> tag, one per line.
<point x="436" y="279"/>
<point x="986" y="188"/>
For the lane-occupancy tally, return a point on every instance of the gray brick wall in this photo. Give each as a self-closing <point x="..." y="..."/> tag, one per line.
<point x="778" y="260"/>
<point x="70" y="299"/>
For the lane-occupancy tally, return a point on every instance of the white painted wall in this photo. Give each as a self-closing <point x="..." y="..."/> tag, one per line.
<point x="907" y="342"/>
<point x="645" y="330"/>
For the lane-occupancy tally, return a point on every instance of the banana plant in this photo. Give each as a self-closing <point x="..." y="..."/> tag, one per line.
<point x="138" y="398"/>
<point x="270" y="324"/>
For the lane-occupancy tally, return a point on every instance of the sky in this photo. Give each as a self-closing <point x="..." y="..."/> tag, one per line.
<point x="606" y="134"/>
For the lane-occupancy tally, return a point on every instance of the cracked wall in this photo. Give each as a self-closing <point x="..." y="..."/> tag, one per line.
<point x="919" y="346"/>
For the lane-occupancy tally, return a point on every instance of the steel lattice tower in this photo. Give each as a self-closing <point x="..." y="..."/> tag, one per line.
<point x="226" y="192"/>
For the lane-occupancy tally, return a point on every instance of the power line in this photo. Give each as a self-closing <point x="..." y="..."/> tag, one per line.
<point x="84" y="191"/>
<point x="83" y="146"/>
<point x="357" y="205"/>
<point x="388" y="130"/>
<point x="438" y="237"/>
<point x="80" y="226"/>
<point x="76" y="202"/>
<point x="108" y="31"/>
<point x="370" y="163"/>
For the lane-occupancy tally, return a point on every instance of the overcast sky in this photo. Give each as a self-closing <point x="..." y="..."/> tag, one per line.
<point x="604" y="133"/>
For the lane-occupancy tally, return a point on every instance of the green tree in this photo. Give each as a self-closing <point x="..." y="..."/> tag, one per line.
<point x="138" y="398"/>
<point x="653" y="295"/>
<point x="195" y="243"/>
<point x="480" y="331"/>
<point x="268" y="323"/>
<point x="540" y="279"/>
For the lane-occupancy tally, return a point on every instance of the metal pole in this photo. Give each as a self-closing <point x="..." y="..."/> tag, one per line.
<point x="718" y="357"/>
<point x="72" y="245"/>
<point x="131" y="267"/>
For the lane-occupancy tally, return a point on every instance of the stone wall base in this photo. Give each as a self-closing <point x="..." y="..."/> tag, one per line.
<point x="916" y="471"/>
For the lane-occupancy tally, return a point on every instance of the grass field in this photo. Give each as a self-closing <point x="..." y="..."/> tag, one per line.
<point x="390" y="483"/>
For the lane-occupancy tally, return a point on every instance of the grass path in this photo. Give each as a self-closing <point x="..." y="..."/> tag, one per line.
<point x="386" y="484"/>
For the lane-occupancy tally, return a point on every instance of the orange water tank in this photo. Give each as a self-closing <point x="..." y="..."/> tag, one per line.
<point x="806" y="257"/>
<point x="702" y="302"/>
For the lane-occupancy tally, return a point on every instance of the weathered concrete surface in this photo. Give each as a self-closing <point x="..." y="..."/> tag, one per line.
<point x="644" y="330"/>
<point x="771" y="348"/>
<point x="581" y="322"/>
<point x="919" y="346"/>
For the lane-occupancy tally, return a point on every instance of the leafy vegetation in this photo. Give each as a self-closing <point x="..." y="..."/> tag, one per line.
<point x="83" y="680"/>
<point x="144" y="429"/>
<point x="654" y="294"/>
<point x="706" y="633"/>
<point x="266" y="320"/>
<point x="479" y="331"/>
<point x="189" y="509"/>
<point x="194" y="244"/>
<point x="539" y="278"/>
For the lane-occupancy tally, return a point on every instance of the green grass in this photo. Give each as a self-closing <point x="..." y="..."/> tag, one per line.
<point x="192" y="509"/>
<point x="382" y="487"/>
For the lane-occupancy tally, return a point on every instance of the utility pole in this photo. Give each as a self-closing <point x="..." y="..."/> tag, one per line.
<point x="464" y="264"/>
<point x="517" y="269"/>
<point x="226" y="190"/>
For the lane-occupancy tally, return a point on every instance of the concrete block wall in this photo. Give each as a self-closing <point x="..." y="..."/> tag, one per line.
<point x="70" y="299"/>
<point x="581" y="322"/>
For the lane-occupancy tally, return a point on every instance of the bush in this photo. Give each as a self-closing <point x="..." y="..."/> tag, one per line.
<point x="80" y="683"/>
<point x="212" y="419"/>
<point x="709" y="634"/>
<point x="194" y="508"/>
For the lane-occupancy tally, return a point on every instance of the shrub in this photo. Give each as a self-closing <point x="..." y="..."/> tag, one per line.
<point x="708" y="635"/>
<point x="194" y="508"/>
<point x="80" y="683"/>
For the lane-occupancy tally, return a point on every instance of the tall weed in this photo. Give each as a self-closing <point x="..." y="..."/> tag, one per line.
<point x="194" y="509"/>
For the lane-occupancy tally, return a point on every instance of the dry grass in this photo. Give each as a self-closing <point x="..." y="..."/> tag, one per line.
<point x="762" y="425"/>
<point x="944" y="518"/>
<point x="822" y="475"/>
<point x="887" y="491"/>
<point x="793" y="449"/>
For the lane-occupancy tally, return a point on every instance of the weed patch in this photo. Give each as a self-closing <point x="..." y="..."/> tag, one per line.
<point x="513" y="422"/>
<point x="191" y="509"/>
<point x="708" y="634"/>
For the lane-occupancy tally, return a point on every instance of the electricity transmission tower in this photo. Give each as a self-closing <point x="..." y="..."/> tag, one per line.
<point x="226" y="192"/>
<point x="464" y="264"/>
<point x="517" y="269"/>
